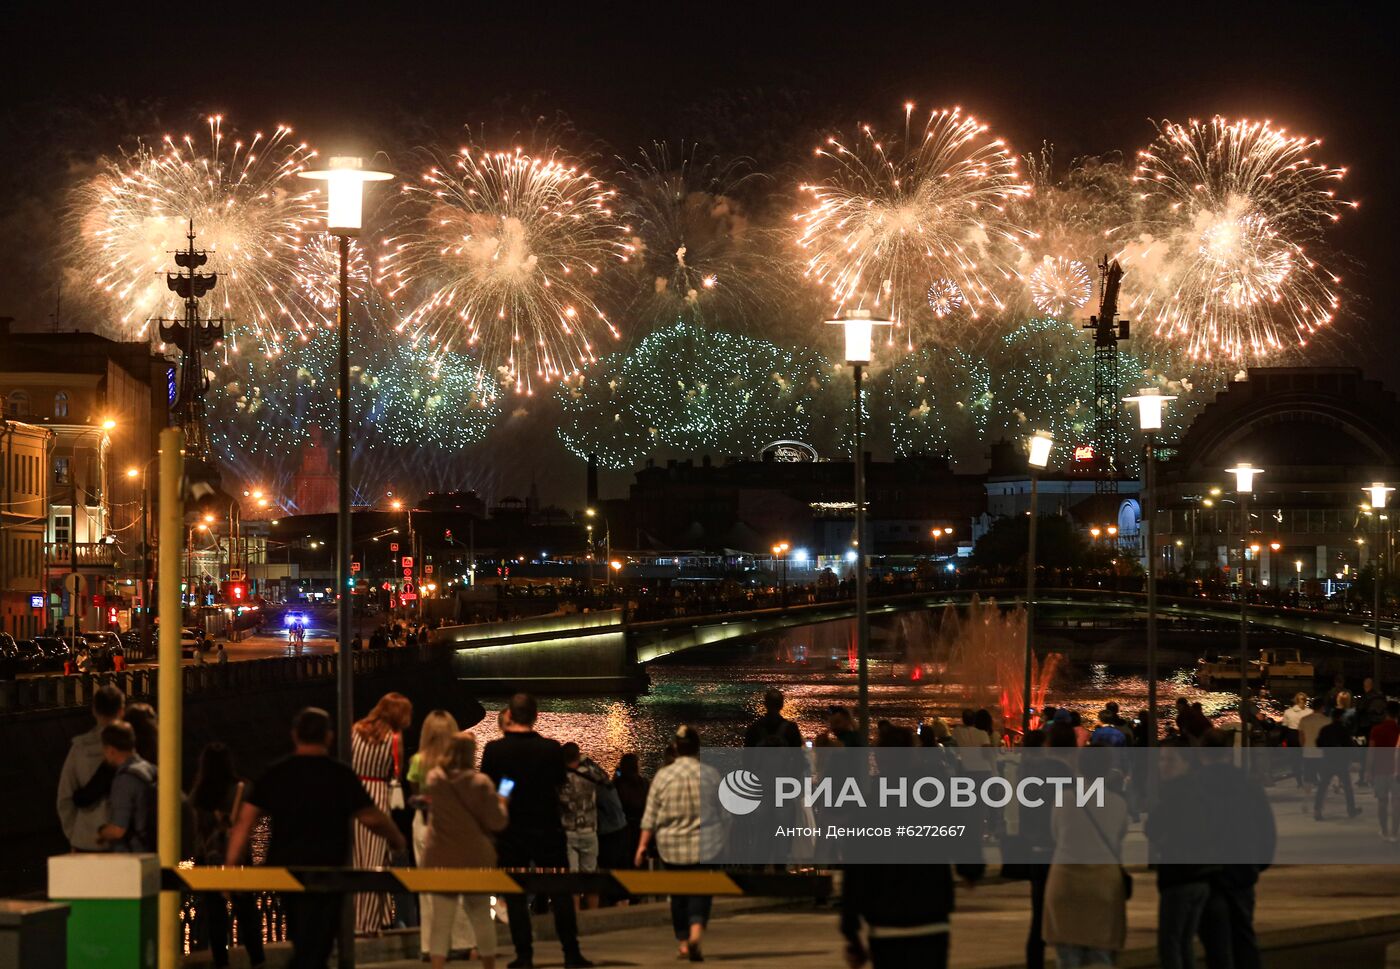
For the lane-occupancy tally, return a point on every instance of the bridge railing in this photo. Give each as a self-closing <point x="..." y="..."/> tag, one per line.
<point x="58" y="691"/>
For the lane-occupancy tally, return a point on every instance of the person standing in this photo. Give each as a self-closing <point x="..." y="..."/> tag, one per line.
<point x="435" y="739"/>
<point x="213" y="802"/>
<point x="632" y="787"/>
<point x="578" y="808"/>
<point x="1086" y="898"/>
<point x="772" y="729"/>
<point x="1381" y="754"/>
<point x="132" y="825"/>
<point x="1334" y="742"/>
<point x="309" y="800"/>
<point x="1308" y="729"/>
<point x="675" y="822"/>
<point x="1368" y="710"/>
<point x="1292" y="717"/>
<point x="376" y="746"/>
<point x="80" y="767"/>
<point x="466" y="812"/>
<point x="535" y="835"/>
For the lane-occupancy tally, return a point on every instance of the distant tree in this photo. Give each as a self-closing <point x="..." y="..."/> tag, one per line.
<point x="1057" y="544"/>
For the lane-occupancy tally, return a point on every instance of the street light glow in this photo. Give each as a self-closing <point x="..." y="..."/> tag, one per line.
<point x="345" y="197"/>
<point x="1041" y="444"/>
<point x="859" y="328"/>
<point x="1244" y="473"/>
<point x="1380" y="494"/>
<point x="1151" y="402"/>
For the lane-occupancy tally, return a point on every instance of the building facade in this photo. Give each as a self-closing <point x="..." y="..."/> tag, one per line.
<point x="24" y="492"/>
<point x="1320" y="435"/>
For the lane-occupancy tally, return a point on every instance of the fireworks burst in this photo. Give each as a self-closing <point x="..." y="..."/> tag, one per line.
<point x="689" y="389"/>
<point x="696" y="254"/>
<point x="944" y="297"/>
<point x="499" y="254"/>
<point x="248" y="209"/>
<point x="1220" y="261"/>
<point x="890" y="215"/>
<point x="1059" y="286"/>
<point x="318" y="272"/>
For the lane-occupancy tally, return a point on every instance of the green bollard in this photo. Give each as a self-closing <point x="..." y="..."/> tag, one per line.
<point x="112" y="903"/>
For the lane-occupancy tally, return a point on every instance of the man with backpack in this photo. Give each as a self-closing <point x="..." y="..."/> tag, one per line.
<point x="132" y="826"/>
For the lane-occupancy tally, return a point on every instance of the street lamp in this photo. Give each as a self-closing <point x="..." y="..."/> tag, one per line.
<point x="779" y="551"/>
<point x="1041" y="444"/>
<point x="1380" y="496"/>
<point x="1151" y="402"/>
<point x="858" y="327"/>
<point x="1244" y="473"/>
<point x="345" y="184"/>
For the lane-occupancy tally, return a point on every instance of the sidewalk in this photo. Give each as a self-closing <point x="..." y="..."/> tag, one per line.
<point x="1305" y="917"/>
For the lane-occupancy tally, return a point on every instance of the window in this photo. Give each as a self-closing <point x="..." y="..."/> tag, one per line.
<point x="61" y="470"/>
<point x="17" y="404"/>
<point x="62" y="528"/>
<point x="60" y="404"/>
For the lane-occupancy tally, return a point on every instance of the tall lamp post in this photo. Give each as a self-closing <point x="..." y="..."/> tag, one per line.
<point x="859" y="329"/>
<point x="780" y="553"/>
<point x="1244" y="473"/>
<point x="1380" y="495"/>
<point x="345" y="183"/>
<point x="146" y="583"/>
<point x="1042" y="443"/>
<point x="1150" y="404"/>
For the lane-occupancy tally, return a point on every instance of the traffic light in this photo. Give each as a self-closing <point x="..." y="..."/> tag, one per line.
<point x="236" y="593"/>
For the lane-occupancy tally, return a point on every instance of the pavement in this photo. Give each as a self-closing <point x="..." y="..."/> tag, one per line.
<point x="1305" y="916"/>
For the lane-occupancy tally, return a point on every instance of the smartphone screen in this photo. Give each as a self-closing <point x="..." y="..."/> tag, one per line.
<point x="809" y="743"/>
<point x="507" y="785"/>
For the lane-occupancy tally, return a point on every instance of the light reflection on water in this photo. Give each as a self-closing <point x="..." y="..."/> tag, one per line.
<point x="722" y="699"/>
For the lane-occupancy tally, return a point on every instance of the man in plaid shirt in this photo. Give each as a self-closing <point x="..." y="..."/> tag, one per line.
<point x="684" y="837"/>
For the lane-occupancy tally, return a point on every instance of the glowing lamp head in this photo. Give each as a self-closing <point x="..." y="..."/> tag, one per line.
<point x="1041" y="445"/>
<point x="1380" y="494"/>
<point x="859" y="327"/>
<point x="1151" y="402"/>
<point x="1244" y="473"/>
<point x="345" y="179"/>
<point x="108" y="424"/>
<point x="616" y="565"/>
<point x="800" y="555"/>
<point x="132" y="473"/>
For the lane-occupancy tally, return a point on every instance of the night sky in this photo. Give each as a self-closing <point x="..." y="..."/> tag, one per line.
<point x="760" y="79"/>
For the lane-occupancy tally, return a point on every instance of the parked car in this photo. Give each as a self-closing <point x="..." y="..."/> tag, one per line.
<point x="31" y="656"/>
<point x="56" y="652"/>
<point x="188" y="639"/>
<point x="10" y="664"/>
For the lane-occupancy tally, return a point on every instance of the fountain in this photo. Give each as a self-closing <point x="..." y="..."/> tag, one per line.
<point x="975" y="656"/>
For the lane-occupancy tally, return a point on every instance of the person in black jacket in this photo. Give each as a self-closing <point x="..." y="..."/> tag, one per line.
<point x="535" y="835"/>
<point x="1338" y="747"/>
<point x="773" y="729"/>
<point x="903" y="908"/>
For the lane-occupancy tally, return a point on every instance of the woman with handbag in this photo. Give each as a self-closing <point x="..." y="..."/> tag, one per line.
<point x="434" y="742"/>
<point x="214" y="800"/>
<point x="376" y="754"/>
<point x="1086" y="894"/>
<point x="466" y="814"/>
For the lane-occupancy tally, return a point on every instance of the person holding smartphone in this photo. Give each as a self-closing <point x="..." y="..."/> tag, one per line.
<point x="535" y="835"/>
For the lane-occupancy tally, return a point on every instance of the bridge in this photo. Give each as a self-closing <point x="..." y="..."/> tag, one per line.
<point x="602" y="651"/>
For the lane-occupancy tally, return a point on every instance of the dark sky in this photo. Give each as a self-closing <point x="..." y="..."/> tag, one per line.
<point x="1085" y="77"/>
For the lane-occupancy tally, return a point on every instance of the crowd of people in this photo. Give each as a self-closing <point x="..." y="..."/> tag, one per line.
<point x="526" y="800"/>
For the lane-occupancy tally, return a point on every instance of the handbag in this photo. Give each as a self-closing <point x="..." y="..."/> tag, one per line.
<point x="1122" y="871"/>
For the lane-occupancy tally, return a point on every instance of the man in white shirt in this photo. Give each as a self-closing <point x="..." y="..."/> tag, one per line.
<point x="82" y="807"/>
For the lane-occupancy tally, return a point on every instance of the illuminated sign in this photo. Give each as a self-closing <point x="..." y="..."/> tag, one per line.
<point x="787" y="451"/>
<point x="36" y="601"/>
<point x="1083" y="452"/>
<point x="408" y="561"/>
<point x="394" y="547"/>
<point x="354" y="566"/>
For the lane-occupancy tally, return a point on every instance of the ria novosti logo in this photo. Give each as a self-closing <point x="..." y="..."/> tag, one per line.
<point x="740" y="792"/>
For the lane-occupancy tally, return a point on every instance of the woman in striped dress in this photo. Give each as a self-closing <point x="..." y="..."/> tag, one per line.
<point x="376" y="748"/>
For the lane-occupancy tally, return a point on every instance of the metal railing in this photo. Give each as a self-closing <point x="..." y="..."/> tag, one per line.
<point x="61" y="555"/>
<point x="57" y="691"/>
